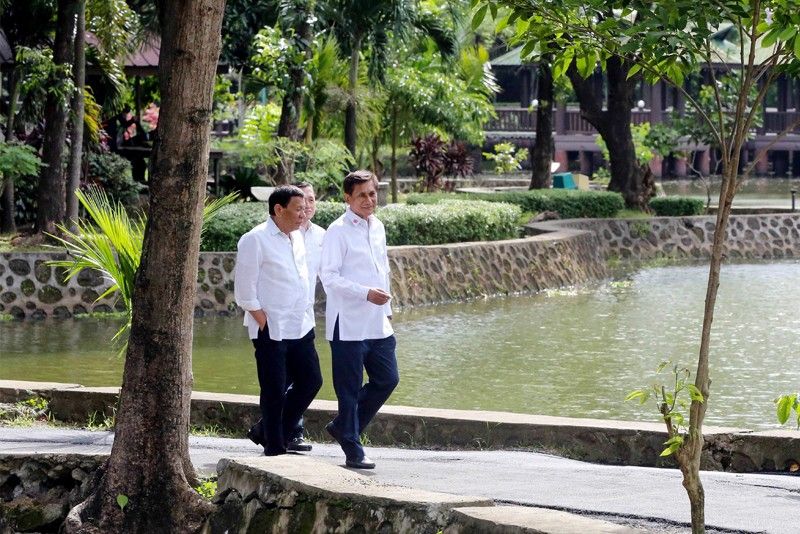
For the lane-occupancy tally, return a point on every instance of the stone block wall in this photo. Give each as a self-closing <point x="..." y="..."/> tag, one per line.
<point x="420" y="275"/>
<point x="559" y="254"/>
<point x="771" y="236"/>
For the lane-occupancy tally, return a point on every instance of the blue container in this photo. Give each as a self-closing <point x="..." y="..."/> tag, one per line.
<point x="563" y="180"/>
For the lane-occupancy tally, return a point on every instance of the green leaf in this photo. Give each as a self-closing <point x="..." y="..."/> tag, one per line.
<point x="632" y="72"/>
<point x="770" y="38"/>
<point x="477" y="19"/>
<point x="640" y="394"/>
<point x="785" y="404"/>
<point x="787" y="33"/>
<point x="695" y="393"/>
<point x="797" y="47"/>
<point x="493" y="10"/>
<point x="501" y="25"/>
<point x="527" y="50"/>
<point x="122" y="501"/>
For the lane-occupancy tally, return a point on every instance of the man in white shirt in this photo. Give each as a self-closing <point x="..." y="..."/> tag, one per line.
<point x="271" y="285"/>
<point x="355" y="273"/>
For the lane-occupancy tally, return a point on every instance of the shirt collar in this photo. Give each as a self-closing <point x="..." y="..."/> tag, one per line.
<point x="272" y="228"/>
<point x="354" y="219"/>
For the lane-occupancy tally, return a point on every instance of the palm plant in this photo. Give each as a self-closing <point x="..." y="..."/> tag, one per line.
<point x="110" y="242"/>
<point x="360" y="25"/>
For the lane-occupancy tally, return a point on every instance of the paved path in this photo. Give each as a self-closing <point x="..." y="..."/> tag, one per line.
<point x="740" y="503"/>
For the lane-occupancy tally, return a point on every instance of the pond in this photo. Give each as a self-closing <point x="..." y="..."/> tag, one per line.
<point x="755" y="192"/>
<point x="573" y="353"/>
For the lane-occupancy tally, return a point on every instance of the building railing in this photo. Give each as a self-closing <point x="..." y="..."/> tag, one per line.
<point x="523" y="120"/>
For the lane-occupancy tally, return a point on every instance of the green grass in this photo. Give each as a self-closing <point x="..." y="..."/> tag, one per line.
<point x="6" y="245"/>
<point x="632" y="214"/>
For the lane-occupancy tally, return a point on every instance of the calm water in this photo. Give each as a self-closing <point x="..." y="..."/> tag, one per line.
<point x="572" y="353"/>
<point x="755" y="192"/>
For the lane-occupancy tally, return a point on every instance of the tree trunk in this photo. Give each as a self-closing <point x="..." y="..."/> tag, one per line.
<point x="543" y="148"/>
<point x="289" y="122"/>
<point x="7" y="224"/>
<point x="350" y="111"/>
<point x="149" y="460"/>
<point x="78" y="110"/>
<point x="628" y="177"/>
<point x="52" y="189"/>
<point x="394" y="120"/>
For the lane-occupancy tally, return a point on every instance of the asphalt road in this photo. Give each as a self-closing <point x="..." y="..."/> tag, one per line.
<point x="734" y="502"/>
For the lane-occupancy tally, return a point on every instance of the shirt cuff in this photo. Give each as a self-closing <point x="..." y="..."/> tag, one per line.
<point x="249" y="305"/>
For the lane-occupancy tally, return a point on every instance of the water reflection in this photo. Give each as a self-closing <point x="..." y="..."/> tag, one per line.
<point x="571" y="353"/>
<point x="756" y="191"/>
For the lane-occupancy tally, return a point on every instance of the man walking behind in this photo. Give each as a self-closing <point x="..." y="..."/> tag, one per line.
<point x="271" y="285"/>
<point x="355" y="274"/>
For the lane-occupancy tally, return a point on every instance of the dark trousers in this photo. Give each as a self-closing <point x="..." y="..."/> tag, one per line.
<point x="291" y="361"/>
<point x="359" y="403"/>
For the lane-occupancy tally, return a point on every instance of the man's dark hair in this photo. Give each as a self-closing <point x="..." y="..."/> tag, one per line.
<point x="358" y="177"/>
<point x="301" y="185"/>
<point x="283" y="195"/>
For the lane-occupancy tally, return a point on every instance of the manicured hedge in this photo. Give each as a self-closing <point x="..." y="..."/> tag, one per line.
<point x="677" y="206"/>
<point x="449" y="222"/>
<point x="224" y="230"/>
<point x="568" y="204"/>
<point x="446" y="222"/>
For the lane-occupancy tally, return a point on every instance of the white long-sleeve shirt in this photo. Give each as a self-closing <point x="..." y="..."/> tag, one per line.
<point x="312" y="236"/>
<point x="272" y="275"/>
<point x="355" y="260"/>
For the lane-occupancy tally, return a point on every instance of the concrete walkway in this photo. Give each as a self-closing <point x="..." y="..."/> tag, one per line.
<point x="735" y="502"/>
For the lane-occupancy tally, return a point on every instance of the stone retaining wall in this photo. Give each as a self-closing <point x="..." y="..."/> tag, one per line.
<point x="292" y="493"/>
<point x="420" y="275"/>
<point x="771" y="236"/>
<point x="559" y="253"/>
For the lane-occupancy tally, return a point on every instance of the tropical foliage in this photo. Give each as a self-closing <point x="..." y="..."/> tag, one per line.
<point x="110" y="242"/>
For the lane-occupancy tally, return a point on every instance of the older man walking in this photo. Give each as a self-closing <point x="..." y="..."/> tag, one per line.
<point x="355" y="274"/>
<point x="272" y="286"/>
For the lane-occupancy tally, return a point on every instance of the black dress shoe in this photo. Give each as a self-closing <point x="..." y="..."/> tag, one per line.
<point x="334" y="432"/>
<point x="278" y="452"/>
<point x="298" y="444"/>
<point x="362" y="463"/>
<point x="254" y="435"/>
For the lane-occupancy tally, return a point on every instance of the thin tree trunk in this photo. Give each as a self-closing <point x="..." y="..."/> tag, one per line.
<point x="52" y="189"/>
<point x="350" y="112"/>
<point x="394" y="154"/>
<point x="149" y="460"/>
<point x="78" y="111"/>
<point x="542" y="153"/>
<point x="7" y="224"/>
<point x="241" y="108"/>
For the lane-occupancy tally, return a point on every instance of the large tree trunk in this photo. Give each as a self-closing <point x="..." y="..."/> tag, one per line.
<point x="7" y="224"/>
<point x="149" y="460"/>
<point x="542" y="153"/>
<point x="628" y="177"/>
<point x="78" y="110"/>
<point x="52" y="189"/>
<point x="350" y="110"/>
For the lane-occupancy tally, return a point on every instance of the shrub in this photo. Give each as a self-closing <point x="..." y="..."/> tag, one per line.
<point x="223" y="232"/>
<point x="112" y="173"/>
<point x="677" y="206"/>
<point x="568" y="204"/>
<point x="446" y="222"/>
<point x="449" y="222"/>
<point x="507" y="157"/>
<point x="327" y="212"/>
